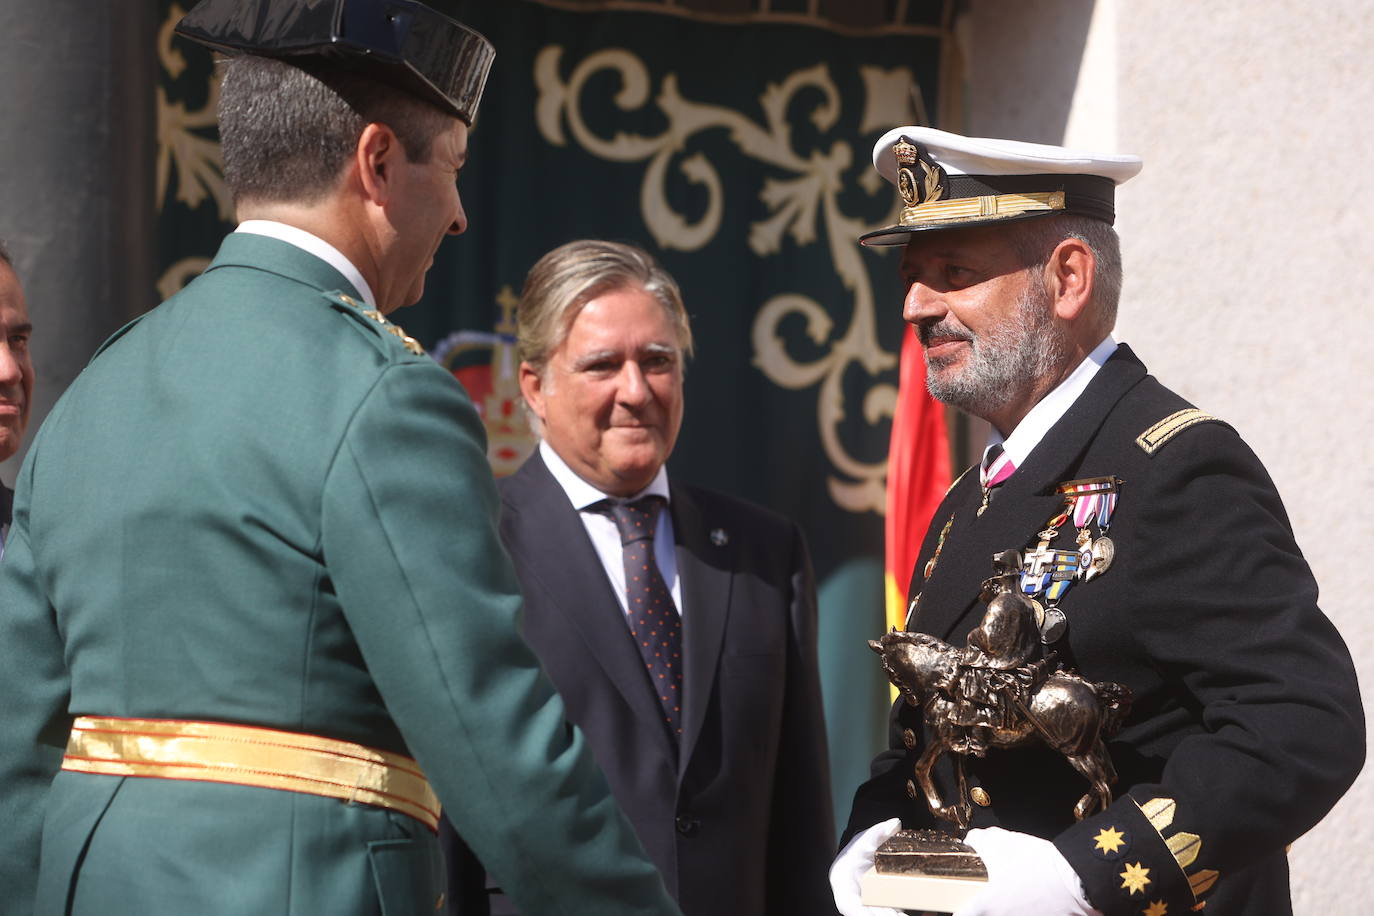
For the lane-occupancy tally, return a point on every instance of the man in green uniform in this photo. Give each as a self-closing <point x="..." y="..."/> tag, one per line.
<point x="254" y="593"/>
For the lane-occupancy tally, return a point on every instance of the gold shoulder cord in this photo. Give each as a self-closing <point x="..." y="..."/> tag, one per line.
<point x="394" y="330"/>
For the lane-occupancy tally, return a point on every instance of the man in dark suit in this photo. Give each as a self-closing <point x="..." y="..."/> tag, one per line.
<point x="679" y="624"/>
<point x="1246" y="725"/>
<point x="256" y="623"/>
<point x="16" y="376"/>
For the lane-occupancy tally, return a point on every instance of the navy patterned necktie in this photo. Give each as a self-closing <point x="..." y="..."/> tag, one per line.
<point x="652" y="616"/>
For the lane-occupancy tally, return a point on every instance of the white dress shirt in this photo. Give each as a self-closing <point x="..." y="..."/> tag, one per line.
<point x="307" y="241"/>
<point x="1033" y="426"/>
<point x="601" y="528"/>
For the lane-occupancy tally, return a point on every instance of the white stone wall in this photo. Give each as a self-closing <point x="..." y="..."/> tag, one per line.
<point x="1249" y="247"/>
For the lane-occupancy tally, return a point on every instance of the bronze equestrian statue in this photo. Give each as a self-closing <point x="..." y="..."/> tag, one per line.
<point x="1003" y="691"/>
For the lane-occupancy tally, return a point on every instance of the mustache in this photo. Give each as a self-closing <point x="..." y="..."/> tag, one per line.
<point x="927" y="332"/>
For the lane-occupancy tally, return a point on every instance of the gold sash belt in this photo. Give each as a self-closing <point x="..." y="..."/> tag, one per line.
<point x="248" y="756"/>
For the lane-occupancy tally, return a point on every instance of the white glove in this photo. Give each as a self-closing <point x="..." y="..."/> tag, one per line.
<point x="1025" y="875"/>
<point x="853" y="863"/>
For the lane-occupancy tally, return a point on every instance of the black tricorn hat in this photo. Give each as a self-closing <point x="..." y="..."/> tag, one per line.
<point x="400" y="42"/>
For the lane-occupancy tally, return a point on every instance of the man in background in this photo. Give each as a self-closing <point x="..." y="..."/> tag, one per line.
<point x="679" y="624"/>
<point x="256" y="623"/>
<point x="16" y="376"/>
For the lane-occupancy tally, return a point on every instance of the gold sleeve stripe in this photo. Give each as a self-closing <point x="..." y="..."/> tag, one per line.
<point x="1154" y="438"/>
<point x="1160" y="811"/>
<point x="1184" y="846"/>
<point x="1202" y="881"/>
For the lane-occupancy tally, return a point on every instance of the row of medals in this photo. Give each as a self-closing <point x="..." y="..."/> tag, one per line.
<point x="1047" y="573"/>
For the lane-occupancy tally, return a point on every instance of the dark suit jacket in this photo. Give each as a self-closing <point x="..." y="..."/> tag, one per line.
<point x="739" y="820"/>
<point x="1247" y="715"/>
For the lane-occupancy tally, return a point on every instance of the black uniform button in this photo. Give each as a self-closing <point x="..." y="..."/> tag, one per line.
<point x="980" y="796"/>
<point x="910" y="789"/>
<point x="687" y="825"/>
<point x="909" y="738"/>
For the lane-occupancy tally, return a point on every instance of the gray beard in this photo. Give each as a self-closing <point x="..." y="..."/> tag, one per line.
<point x="1004" y="361"/>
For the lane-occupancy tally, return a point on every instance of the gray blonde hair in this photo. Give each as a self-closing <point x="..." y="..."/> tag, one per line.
<point x="1037" y="240"/>
<point x="567" y="278"/>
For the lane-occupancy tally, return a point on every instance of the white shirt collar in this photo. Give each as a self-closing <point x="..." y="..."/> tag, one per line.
<point x="1032" y="428"/>
<point x="583" y="494"/>
<point x="307" y="241"/>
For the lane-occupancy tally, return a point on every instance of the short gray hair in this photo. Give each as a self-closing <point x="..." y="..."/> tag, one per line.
<point x="5" y="255"/>
<point x="567" y="278"/>
<point x="1037" y="238"/>
<point x="287" y="130"/>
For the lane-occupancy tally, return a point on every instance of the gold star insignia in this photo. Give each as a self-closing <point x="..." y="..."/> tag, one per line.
<point x="1109" y="839"/>
<point x="1133" y="878"/>
<point x="1158" y="908"/>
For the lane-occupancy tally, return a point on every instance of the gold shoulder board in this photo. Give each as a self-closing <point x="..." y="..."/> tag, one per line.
<point x="394" y="330"/>
<point x="1154" y="438"/>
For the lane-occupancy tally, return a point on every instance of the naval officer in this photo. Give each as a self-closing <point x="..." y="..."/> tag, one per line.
<point x="256" y="623"/>
<point x="1152" y="540"/>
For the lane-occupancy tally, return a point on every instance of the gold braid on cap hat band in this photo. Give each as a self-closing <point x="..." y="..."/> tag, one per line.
<point x="995" y="206"/>
<point x="993" y="197"/>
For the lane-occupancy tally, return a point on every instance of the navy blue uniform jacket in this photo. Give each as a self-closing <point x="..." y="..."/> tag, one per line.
<point x="1247" y="724"/>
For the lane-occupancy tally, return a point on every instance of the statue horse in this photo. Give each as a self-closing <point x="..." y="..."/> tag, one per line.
<point x="995" y="694"/>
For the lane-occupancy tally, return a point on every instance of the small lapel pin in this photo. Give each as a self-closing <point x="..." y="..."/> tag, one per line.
<point x="719" y="537"/>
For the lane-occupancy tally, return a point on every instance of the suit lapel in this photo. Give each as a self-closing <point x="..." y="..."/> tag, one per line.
<point x="574" y="587"/>
<point x="705" y="570"/>
<point x="1021" y="506"/>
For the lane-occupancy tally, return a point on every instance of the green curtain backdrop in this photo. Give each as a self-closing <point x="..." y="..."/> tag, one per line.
<point x="735" y="146"/>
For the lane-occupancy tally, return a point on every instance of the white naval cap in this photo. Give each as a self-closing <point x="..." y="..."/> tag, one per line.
<point x="947" y="181"/>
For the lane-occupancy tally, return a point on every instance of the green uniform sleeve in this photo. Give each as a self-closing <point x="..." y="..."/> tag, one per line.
<point x="409" y="534"/>
<point x="34" y="732"/>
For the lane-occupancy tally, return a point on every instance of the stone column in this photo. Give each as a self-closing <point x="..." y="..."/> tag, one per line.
<point x="77" y="148"/>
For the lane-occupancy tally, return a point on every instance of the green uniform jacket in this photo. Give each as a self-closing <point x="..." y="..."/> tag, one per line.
<point x="256" y="506"/>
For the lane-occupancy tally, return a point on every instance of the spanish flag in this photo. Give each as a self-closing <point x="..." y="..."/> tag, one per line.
<point x="917" y="474"/>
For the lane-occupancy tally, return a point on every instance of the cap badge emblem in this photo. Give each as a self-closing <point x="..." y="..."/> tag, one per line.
<point x="931" y="186"/>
